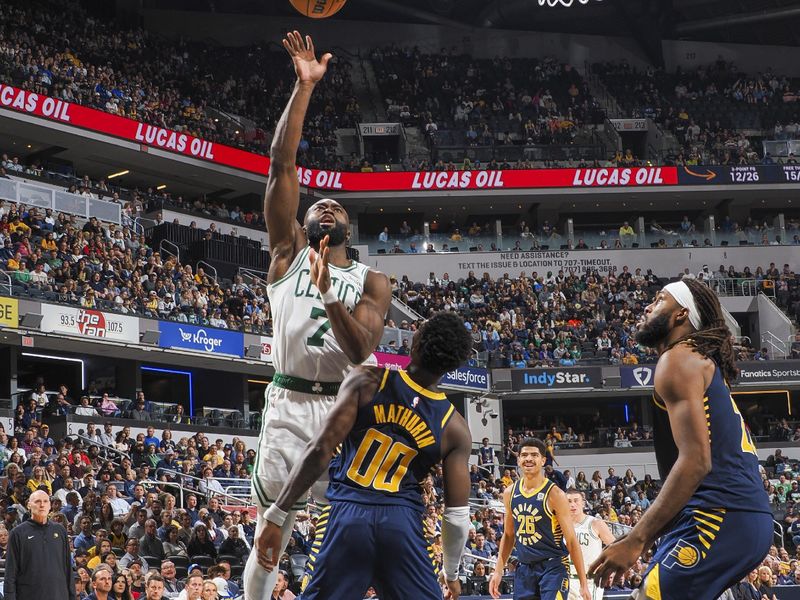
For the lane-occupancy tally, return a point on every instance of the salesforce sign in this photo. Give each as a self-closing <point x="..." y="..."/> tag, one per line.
<point x="468" y="379"/>
<point x="206" y="340"/>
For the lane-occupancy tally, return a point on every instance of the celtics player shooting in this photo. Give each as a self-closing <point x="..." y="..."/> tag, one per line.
<point x="328" y="312"/>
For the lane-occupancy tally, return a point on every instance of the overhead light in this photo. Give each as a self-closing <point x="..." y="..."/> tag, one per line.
<point x="162" y="186"/>
<point x="118" y="174"/>
<point x="62" y="358"/>
<point x="29" y="146"/>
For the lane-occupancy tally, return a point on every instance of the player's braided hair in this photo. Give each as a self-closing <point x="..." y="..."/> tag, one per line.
<point x="444" y="342"/>
<point x="714" y="339"/>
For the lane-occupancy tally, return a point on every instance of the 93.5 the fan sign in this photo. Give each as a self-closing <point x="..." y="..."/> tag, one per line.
<point x="318" y="9"/>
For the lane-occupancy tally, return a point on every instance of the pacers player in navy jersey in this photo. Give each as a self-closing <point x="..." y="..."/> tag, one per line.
<point x="712" y="514"/>
<point x="393" y="427"/>
<point x="538" y="528"/>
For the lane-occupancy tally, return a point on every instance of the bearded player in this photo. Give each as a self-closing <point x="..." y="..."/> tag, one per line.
<point x="328" y="313"/>
<point x="712" y="513"/>
<point x="592" y="534"/>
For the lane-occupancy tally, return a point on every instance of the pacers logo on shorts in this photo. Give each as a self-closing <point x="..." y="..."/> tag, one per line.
<point x="684" y="555"/>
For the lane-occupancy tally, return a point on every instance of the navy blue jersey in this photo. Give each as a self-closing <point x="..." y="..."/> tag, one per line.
<point x="537" y="532"/>
<point x="734" y="482"/>
<point x="394" y="443"/>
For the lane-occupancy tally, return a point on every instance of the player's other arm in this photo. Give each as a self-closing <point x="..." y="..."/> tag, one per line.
<point x="681" y="380"/>
<point x="357" y="389"/>
<point x="558" y="505"/>
<point x="506" y="545"/>
<point x="282" y="197"/>
<point x="602" y="531"/>
<point x="360" y="333"/>
<point x="456" y="448"/>
<point x="358" y="386"/>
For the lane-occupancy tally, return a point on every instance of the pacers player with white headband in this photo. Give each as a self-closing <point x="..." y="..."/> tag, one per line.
<point x="712" y="517"/>
<point x="592" y="534"/>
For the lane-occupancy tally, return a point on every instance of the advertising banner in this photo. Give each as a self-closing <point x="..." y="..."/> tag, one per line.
<point x="385" y="359"/>
<point x="151" y="136"/>
<point x="121" y="127"/>
<point x="781" y="372"/>
<point x="206" y="340"/>
<point x="468" y="379"/>
<point x="9" y="312"/>
<point x="86" y="322"/>
<point x="266" y="349"/>
<point x="556" y="378"/>
<point x="637" y="376"/>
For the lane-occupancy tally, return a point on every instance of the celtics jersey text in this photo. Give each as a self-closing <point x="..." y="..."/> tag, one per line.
<point x="303" y="343"/>
<point x="537" y="533"/>
<point x="734" y="482"/>
<point x="395" y="441"/>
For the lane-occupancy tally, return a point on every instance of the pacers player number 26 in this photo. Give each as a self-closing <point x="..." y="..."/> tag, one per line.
<point x="388" y="453"/>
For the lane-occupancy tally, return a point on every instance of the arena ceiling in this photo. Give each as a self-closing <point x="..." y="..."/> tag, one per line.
<point x="648" y="21"/>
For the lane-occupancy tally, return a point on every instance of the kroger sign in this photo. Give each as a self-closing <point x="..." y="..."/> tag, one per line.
<point x="201" y="339"/>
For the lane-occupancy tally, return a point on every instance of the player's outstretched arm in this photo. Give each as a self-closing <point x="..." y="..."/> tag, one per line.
<point x="506" y="545"/>
<point x="558" y="505"/>
<point x="357" y="389"/>
<point x="282" y="198"/>
<point x="681" y="379"/>
<point x="456" y="449"/>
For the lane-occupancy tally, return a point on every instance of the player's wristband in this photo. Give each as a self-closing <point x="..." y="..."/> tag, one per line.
<point x="329" y="296"/>
<point x="455" y="528"/>
<point x="276" y="515"/>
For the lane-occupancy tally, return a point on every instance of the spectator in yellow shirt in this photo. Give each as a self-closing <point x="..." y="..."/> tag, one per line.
<point x="506" y="478"/>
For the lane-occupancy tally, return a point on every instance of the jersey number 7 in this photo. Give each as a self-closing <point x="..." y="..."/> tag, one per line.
<point x="316" y="339"/>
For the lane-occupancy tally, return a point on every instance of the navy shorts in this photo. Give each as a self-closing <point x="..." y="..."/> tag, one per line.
<point x="706" y="552"/>
<point x="359" y="545"/>
<point x="545" y="580"/>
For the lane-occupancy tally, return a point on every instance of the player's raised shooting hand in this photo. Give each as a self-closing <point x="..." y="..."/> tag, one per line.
<point x="320" y="274"/>
<point x="268" y="546"/>
<point x="616" y="558"/>
<point x="306" y="65"/>
<point x="494" y="583"/>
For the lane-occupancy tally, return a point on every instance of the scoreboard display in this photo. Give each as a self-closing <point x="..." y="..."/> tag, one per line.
<point x="739" y="174"/>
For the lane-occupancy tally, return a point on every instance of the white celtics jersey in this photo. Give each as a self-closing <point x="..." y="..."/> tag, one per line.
<point x="303" y="342"/>
<point x="590" y="544"/>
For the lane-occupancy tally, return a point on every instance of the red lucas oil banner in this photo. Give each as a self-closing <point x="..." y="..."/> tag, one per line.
<point x="180" y="143"/>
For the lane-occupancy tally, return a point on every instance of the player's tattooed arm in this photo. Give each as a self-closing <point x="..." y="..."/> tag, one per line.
<point x="360" y="333"/>
<point x="357" y="389"/>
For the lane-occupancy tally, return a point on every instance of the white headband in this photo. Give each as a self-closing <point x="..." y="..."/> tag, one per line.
<point x="683" y="296"/>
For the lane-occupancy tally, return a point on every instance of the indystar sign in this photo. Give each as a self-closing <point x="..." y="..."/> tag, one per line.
<point x="548" y="379"/>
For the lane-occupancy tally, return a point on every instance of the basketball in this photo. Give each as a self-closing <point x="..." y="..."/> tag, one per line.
<point x="318" y="9"/>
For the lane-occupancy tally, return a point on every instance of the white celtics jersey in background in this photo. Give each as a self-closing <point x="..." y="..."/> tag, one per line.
<point x="303" y="343"/>
<point x="590" y="544"/>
